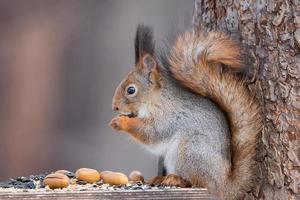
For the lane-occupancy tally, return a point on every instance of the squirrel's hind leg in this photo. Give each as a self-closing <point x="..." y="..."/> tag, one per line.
<point x="170" y="180"/>
<point x="175" y="180"/>
<point x="156" y="180"/>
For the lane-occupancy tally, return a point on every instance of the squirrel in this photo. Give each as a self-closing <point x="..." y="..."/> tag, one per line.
<point x="190" y="107"/>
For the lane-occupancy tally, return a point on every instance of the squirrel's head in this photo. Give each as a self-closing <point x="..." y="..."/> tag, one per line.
<point x="136" y="92"/>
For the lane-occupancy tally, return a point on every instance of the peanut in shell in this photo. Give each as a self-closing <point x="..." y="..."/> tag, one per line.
<point x="56" y="180"/>
<point x="88" y="175"/>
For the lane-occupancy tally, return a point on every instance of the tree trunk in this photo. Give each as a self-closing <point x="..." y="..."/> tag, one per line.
<point x="269" y="31"/>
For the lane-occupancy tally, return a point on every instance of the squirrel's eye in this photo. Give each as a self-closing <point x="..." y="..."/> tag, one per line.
<point x="131" y="90"/>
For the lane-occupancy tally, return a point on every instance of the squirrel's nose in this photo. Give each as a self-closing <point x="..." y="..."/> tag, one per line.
<point x="115" y="108"/>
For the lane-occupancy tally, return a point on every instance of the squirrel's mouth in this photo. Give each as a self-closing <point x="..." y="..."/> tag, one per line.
<point x="128" y="114"/>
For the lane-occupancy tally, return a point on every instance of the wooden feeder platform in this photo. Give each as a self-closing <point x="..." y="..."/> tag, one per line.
<point x="182" y="193"/>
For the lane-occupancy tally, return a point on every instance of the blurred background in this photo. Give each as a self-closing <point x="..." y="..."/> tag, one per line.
<point x="60" y="62"/>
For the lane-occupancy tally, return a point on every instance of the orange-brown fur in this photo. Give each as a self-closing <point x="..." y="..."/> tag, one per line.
<point x="175" y="180"/>
<point x="170" y="180"/>
<point x="130" y="125"/>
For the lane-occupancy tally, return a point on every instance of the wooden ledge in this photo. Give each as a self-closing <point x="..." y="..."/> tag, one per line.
<point x="185" y="193"/>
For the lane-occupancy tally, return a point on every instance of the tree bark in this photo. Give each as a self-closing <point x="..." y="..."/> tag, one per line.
<point x="269" y="32"/>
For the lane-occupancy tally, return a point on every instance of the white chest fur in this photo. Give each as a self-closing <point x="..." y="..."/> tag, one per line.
<point x="143" y="111"/>
<point x="172" y="156"/>
<point x="159" y="149"/>
<point x="169" y="150"/>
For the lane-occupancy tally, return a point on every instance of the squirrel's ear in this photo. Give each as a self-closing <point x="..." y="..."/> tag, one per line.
<point x="148" y="63"/>
<point x="148" y="66"/>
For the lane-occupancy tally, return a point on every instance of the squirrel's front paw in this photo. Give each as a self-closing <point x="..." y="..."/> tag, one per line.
<point x="122" y="123"/>
<point x="116" y="123"/>
<point x="174" y="180"/>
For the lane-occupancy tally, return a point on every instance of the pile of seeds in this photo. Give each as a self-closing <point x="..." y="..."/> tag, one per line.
<point x="84" y="179"/>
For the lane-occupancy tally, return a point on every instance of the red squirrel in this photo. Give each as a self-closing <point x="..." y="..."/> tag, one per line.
<point x="191" y="108"/>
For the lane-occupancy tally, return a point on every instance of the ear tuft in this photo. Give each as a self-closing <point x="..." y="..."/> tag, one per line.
<point x="144" y="42"/>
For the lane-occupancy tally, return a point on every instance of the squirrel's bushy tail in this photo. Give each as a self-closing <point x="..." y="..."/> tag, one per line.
<point x="196" y="61"/>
